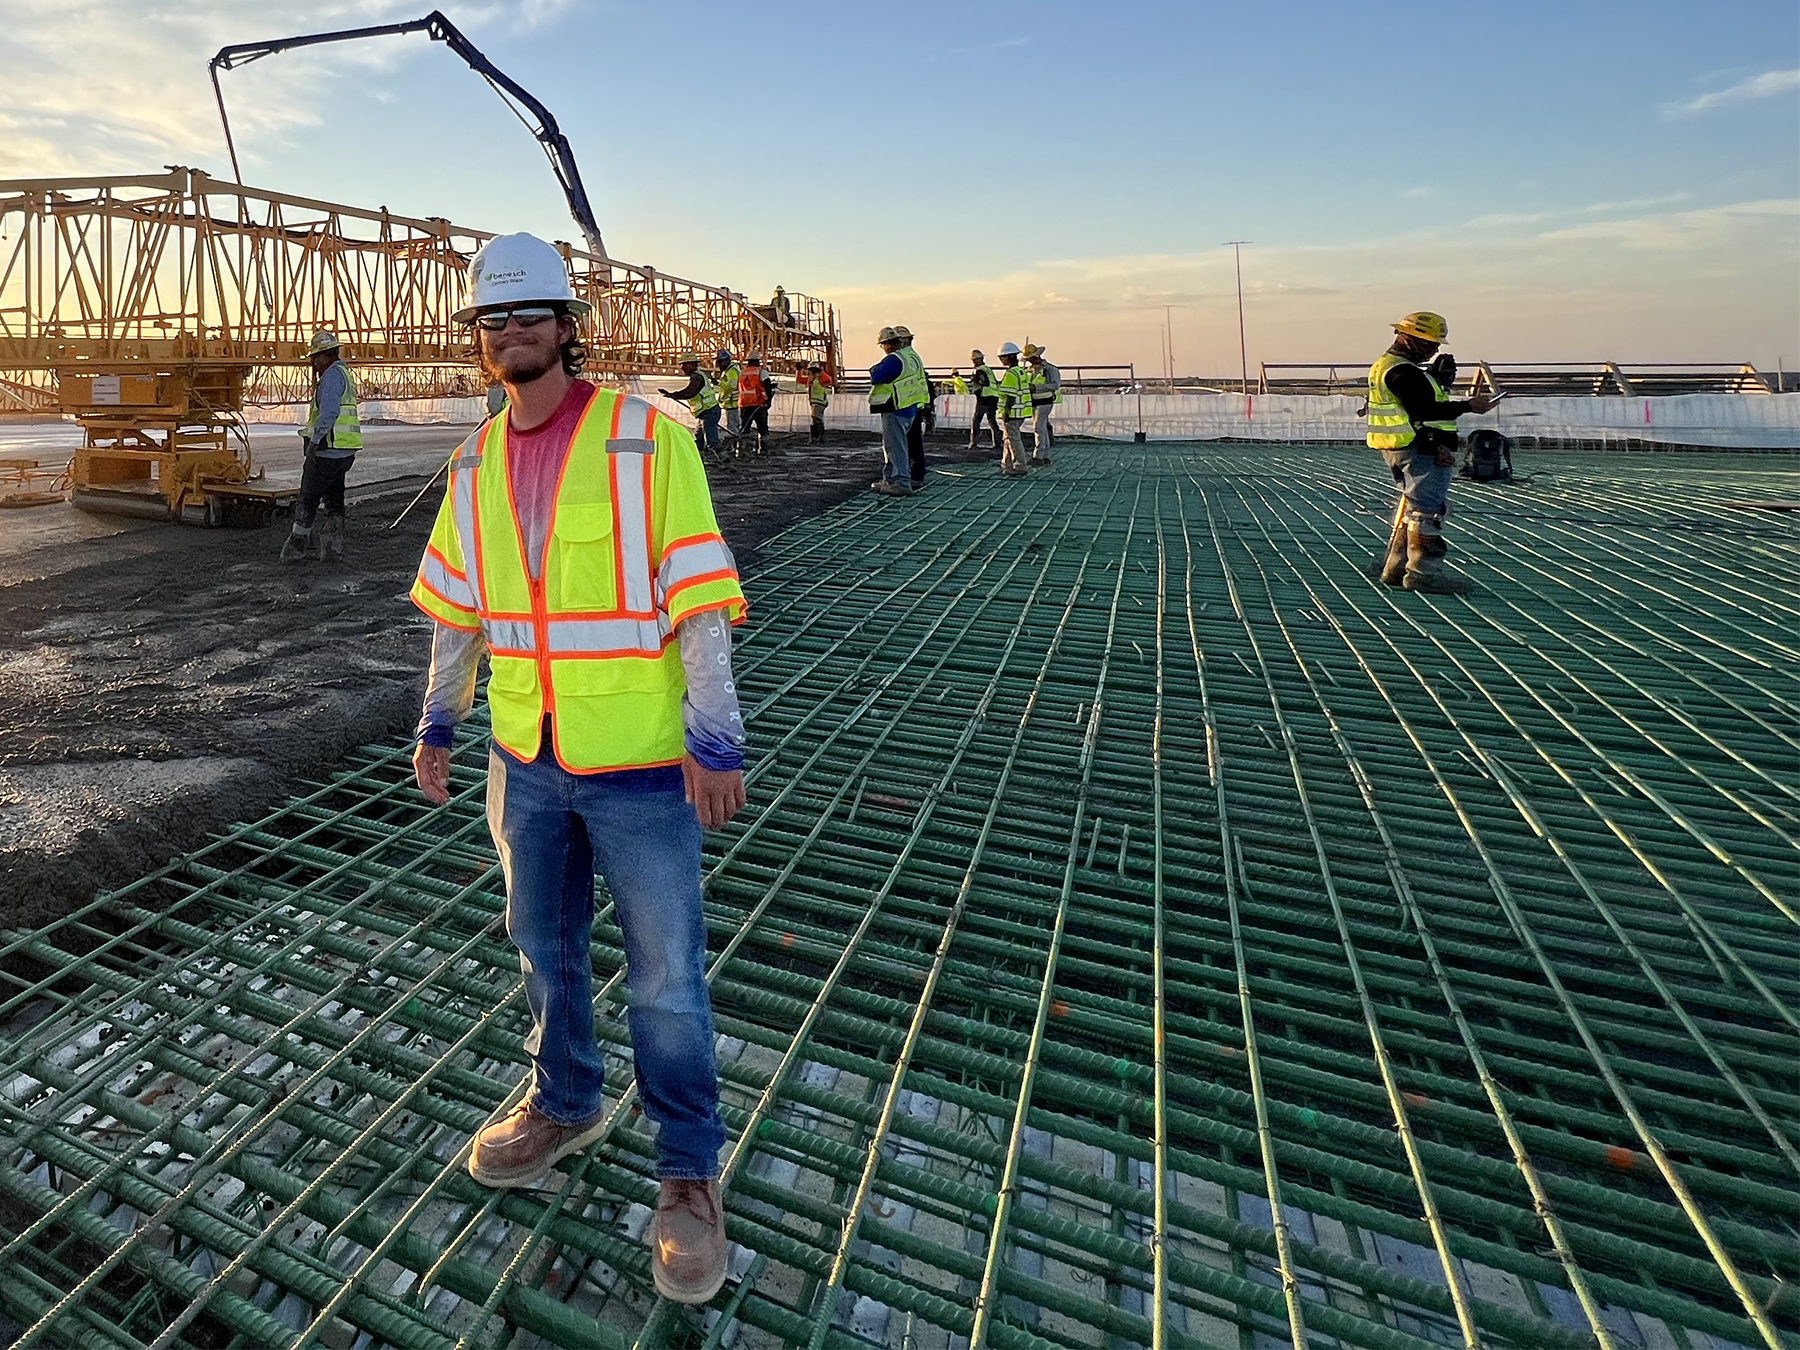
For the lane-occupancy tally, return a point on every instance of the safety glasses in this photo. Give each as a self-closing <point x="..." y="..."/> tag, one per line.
<point x="526" y="316"/>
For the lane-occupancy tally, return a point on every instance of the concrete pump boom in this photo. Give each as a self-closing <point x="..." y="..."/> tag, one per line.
<point x="439" y="29"/>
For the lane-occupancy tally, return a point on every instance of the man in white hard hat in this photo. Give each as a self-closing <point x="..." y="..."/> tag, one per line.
<point x="897" y="389"/>
<point x="1046" y="392"/>
<point x="1015" y="407"/>
<point x="702" y="399"/>
<point x="818" y="397"/>
<point x="331" y="437"/>
<point x="578" y="550"/>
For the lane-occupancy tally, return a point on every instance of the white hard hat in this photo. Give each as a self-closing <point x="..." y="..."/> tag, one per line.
<point x="888" y="334"/>
<point x="1009" y="349"/>
<point x="517" y="269"/>
<point x="323" y="341"/>
<point x="902" y="331"/>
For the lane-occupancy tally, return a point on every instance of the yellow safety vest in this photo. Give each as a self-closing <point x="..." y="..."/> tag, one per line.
<point x="632" y="549"/>
<point x="1015" y="392"/>
<point x="1040" y="381"/>
<point x="707" y="399"/>
<point x="727" y="385"/>
<point x="984" y="388"/>
<point x="346" y="431"/>
<point x="912" y="389"/>
<point x="818" y="391"/>
<point x="1389" y="426"/>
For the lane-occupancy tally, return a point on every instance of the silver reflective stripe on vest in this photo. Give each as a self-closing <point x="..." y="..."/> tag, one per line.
<point x="628" y="455"/>
<point x="462" y="510"/>
<point x="446" y="583"/>
<point x="508" y="635"/>
<point x="693" y="560"/>
<point x="608" y="637"/>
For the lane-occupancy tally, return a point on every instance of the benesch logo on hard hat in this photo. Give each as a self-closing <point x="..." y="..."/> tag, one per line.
<point x="517" y="274"/>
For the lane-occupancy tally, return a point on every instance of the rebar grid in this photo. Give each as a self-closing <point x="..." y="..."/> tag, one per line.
<point x="1145" y="931"/>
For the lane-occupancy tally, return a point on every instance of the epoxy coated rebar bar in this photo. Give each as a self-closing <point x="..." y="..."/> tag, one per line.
<point x="1145" y="931"/>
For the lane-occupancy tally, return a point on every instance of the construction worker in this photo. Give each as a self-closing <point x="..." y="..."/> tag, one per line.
<point x="578" y="550"/>
<point x="984" y="384"/>
<point x="727" y="383"/>
<point x="330" y="439"/>
<point x="783" y="309"/>
<point x="755" y="391"/>
<point x="1413" y="425"/>
<point x="1014" y="392"/>
<point x="925" y="411"/>
<point x="702" y="398"/>
<point x="1046" y="393"/>
<point x="818" y="396"/>
<point x="897" y="390"/>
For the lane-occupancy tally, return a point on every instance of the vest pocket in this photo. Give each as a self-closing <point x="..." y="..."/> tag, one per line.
<point x="582" y="569"/>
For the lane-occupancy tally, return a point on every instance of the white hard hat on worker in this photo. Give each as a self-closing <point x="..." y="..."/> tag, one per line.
<point x="517" y="269"/>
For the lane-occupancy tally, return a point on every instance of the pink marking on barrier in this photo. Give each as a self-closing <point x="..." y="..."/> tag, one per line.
<point x="1646" y="412"/>
<point x="1249" y="407"/>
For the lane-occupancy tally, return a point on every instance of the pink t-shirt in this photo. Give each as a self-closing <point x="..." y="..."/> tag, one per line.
<point x="534" y="463"/>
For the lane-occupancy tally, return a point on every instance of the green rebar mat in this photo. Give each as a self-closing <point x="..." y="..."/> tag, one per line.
<point x="1146" y="930"/>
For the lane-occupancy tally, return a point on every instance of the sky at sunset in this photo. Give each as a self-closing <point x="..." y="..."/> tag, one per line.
<point x="1575" y="180"/>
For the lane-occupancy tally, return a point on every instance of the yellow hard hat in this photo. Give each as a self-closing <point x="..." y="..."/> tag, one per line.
<point x="1032" y="351"/>
<point x="1424" y="324"/>
<point x="323" y="341"/>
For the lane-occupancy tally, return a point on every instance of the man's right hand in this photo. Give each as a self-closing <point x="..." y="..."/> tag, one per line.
<point x="1480" y="403"/>
<point x="431" y="767"/>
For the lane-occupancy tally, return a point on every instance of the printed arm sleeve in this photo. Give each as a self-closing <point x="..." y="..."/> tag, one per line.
<point x="450" y="687"/>
<point x="710" y="716"/>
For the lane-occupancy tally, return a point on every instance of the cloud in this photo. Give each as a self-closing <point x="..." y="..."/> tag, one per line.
<point x="111" y="86"/>
<point x="1653" y="285"/>
<point x="1766" y="85"/>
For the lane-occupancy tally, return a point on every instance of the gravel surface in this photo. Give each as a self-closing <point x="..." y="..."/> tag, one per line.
<point x="158" y="682"/>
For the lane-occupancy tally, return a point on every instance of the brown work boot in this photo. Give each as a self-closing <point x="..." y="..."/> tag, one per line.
<point x="521" y="1147"/>
<point x="687" y="1241"/>
<point x="1425" y="571"/>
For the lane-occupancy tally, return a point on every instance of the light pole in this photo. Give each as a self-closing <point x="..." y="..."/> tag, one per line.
<point x="1243" y="356"/>
<point x="1169" y="323"/>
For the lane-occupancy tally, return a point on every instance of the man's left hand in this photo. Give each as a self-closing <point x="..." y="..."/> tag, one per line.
<point x="717" y="794"/>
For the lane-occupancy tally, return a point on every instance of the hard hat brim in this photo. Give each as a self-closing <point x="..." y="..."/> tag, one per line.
<point x="575" y="309"/>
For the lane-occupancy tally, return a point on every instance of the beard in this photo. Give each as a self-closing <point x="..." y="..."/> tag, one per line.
<point x="520" y="363"/>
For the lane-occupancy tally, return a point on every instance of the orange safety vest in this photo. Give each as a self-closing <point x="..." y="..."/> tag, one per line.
<point x="633" y="549"/>
<point x="752" y="392"/>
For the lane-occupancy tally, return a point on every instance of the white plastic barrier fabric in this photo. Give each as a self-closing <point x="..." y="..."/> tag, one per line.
<point x="1723" y="421"/>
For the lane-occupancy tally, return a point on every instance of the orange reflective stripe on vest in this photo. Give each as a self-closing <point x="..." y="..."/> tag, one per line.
<point x="588" y="640"/>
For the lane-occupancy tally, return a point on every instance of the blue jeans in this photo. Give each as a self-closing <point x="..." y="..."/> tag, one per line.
<point x="709" y="430"/>
<point x="897" y="465"/>
<point x="551" y="827"/>
<point x="1425" y="484"/>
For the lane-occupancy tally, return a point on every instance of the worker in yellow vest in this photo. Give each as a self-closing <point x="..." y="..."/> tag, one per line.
<point x="578" y="551"/>
<point x="702" y="399"/>
<point x="924" y="417"/>
<point x="330" y="439"/>
<point x="1046" y="393"/>
<point x="1014" y="391"/>
<point x="727" y="383"/>
<point x="818" y="397"/>
<point x="897" y="390"/>
<point x="1413" y="425"/>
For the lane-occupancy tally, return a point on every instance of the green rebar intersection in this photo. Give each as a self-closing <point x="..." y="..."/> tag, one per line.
<point x="1145" y="931"/>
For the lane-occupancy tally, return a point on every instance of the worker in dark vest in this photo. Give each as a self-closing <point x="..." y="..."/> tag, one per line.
<point x="985" y="385"/>
<point x="331" y="437"/>
<point x="1413" y="425"/>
